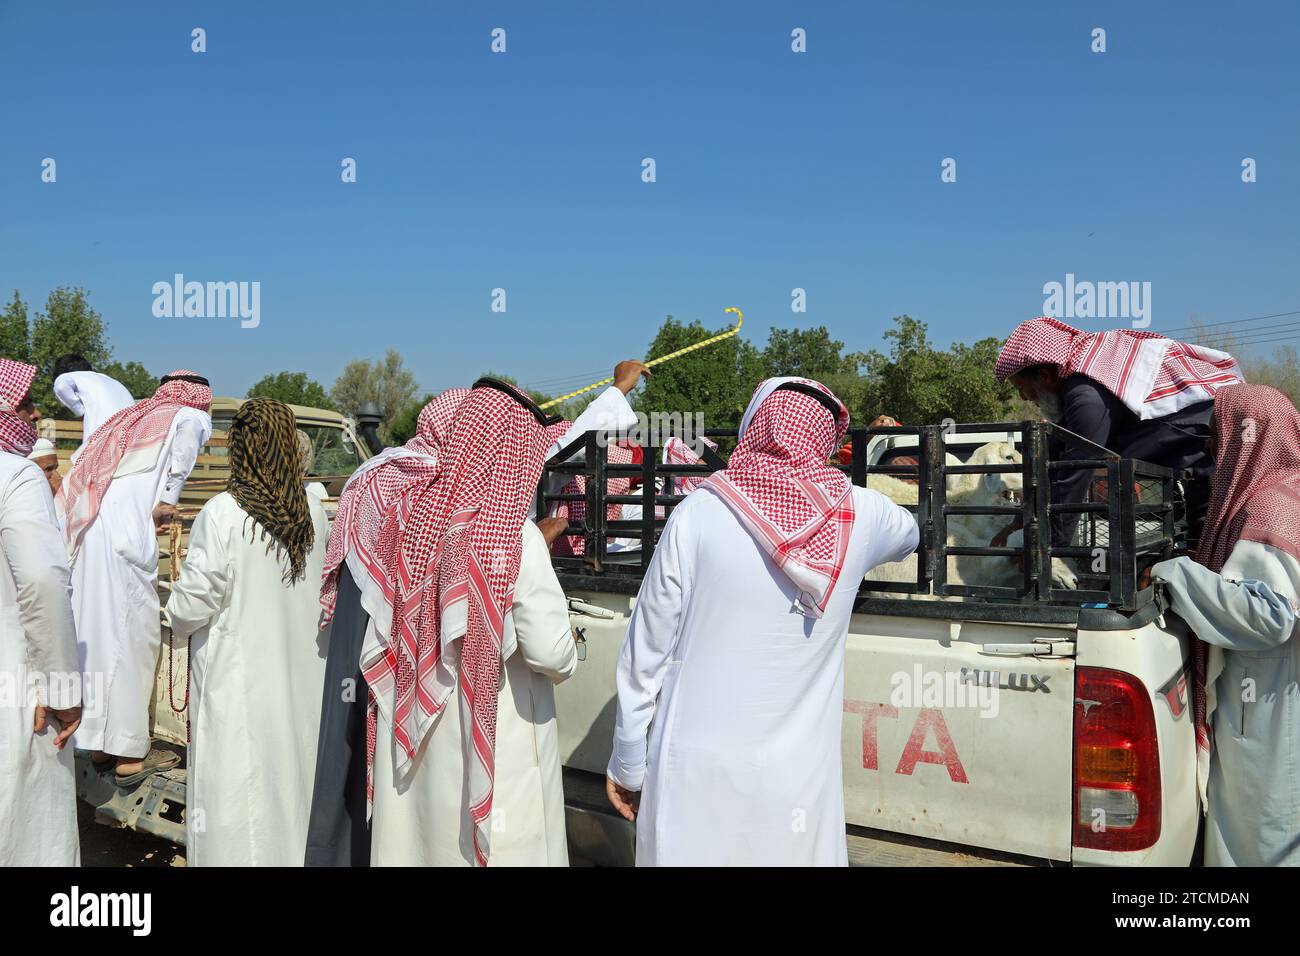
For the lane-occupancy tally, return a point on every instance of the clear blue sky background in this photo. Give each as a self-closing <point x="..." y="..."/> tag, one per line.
<point x="522" y="170"/>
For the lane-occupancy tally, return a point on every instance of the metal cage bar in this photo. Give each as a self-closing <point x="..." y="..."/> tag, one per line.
<point x="1163" y="522"/>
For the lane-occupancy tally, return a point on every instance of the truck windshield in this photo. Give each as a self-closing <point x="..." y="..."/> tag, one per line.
<point x="336" y="454"/>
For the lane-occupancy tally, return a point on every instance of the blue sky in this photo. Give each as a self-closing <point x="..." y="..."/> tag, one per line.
<point x="522" y="171"/>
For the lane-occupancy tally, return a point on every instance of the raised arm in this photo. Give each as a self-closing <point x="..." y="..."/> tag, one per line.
<point x="609" y="412"/>
<point x="69" y="396"/>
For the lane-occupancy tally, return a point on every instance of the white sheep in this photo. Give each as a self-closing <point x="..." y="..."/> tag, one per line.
<point x="968" y="530"/>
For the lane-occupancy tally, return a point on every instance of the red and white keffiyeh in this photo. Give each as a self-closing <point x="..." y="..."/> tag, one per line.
<point x="677" y="452"/>
<point x="1255" y="497"/>
<point x="376" y="485"/>
<point x="457" y="543"/>
<point x="778" y="484"/>
<point x="1151" y="374"/>
<point x="17" y="435"/>
<point x="575" y="512"/>
<point x="127" y="444"/>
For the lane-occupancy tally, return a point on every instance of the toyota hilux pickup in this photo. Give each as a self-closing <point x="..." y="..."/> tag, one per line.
<point x="1011" y="723"/>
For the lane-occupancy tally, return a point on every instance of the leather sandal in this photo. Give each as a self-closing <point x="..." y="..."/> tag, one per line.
<point x="155" y="761"/>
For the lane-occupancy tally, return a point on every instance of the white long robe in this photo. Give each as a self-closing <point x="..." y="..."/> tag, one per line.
<point x="114" y="595"/>
<point x="38" y="664"/>
<point x="1253" y="786"/>
<point x="257" y="664"/>
<point x="742" y="762"/>
<point x="425" y="823"/>
<point x="93" y="397"/>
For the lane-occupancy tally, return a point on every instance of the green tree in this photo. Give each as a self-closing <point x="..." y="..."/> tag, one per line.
<point x="810" y="353"/>
<point x="139" y="381"/>
<point x="1281" y="370"/>
<point x="402" y="427"/>
<point x="921" y="385"/>
<point x="292" y="388"/>
<point x="68" y="324"/>
<point x="386" y="382"/>
<point x="15" y="335"/>
<point x="716" y="381"/>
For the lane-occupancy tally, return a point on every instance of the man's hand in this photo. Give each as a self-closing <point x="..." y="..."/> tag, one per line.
<point x="551" y="528"/>
<point x="163" y="515"/>
<point x="1000" y="541"/>
<point x="883" y="421"/>
<point x="68" y="720"/>
<point x="627" y="373"/>
<point x="626" y="802"/>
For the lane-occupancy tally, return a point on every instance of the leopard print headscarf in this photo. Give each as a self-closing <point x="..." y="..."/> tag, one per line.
<point x="266" y="480"/>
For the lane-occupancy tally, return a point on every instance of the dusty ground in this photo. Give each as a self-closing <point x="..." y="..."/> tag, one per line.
<point x="107" y="846"/>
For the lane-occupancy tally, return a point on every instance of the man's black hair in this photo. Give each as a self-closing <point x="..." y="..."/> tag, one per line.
<point x="72" y="362"/>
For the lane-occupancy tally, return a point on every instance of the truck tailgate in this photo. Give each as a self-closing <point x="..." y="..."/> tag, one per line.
<point x="945" y="741"/>
<point x="943" y="772"/>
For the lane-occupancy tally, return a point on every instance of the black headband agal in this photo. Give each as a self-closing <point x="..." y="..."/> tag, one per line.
<point x="196" y="379"/>
<point x="523" y="399"/>
<point x="815" y="393"/>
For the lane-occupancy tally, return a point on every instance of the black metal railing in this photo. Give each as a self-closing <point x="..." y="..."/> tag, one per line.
<point x="1131" y="514"/>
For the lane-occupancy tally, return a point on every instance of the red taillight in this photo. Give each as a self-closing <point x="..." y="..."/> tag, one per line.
<point x="1116" y="762"/>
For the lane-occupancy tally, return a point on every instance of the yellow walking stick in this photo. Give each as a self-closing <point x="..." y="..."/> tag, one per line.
<point x="740" y="318"/>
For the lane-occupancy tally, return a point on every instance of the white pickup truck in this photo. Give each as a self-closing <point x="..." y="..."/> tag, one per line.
<point x="1031" y="729"/>
<point x="1000" y="726"/>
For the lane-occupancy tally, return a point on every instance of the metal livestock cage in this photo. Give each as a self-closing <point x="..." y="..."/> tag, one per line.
<point x="1130" y="515"/>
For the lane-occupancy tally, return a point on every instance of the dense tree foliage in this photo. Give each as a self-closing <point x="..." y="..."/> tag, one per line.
<point x="292" y="388"/>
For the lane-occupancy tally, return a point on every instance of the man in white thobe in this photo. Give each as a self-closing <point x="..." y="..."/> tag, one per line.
<point x="256" y="653"/>
<point x="1241" y="599"/>
<point x="40" y="700"/>
<point x="91" y="396"/>
<point x="736" y="648"/>
<point x="126" y="483"/>
<point x="466" y="764"/>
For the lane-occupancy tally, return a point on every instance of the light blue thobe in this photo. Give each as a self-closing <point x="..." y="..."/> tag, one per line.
<point x="1249" y="611"/>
